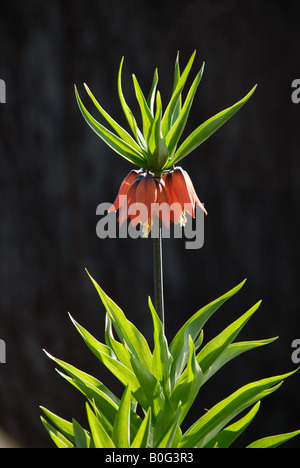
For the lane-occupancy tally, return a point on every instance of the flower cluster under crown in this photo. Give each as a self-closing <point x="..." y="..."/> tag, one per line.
<point x="169" y="197"/>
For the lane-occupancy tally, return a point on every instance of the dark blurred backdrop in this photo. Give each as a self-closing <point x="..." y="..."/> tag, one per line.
<point x="54" y="171"/>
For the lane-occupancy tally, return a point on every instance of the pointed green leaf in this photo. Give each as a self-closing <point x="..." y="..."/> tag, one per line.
<point x="82" y="438"/>
<point x="273" y="441"/>
<point x="141" y="439"/>
<point x="166" y="440"/>
<point x="178" y="126"/>
<point x="162" y="358"/>
<point x="231" y="352"/>
<point x="147" y="117"/>
<point x="122" y="372"/>
<point x="175" y="82"/>
<point x="121" y="430"/>
<point x="95" y="346"/>
<point x="214" y="348"/>
<point x="167" y="117"/>
<point x="126" y="331"/>
<point x="118" y="129"/>
<point x="92" y="388"/>
<point x="158" y="152"/>
<point x="205" y="130"/>
<point x="188" y="385"/>
<point x="151" y="97"/>
<point x="65" y="427"/>
<point x="228" y="435"/>
<point x="149" y="387"/>
<point x="179" y="347"/>
<point x="212" y="422"/>
<point x="99" y="400"/>
<point x="128" y="113"/>
<point x="100" y="437"/>
<point x="104" y="354"/>
<point x="59" y="439"/>
<point x="116" y="143"/>
<point x="121" y="352"/>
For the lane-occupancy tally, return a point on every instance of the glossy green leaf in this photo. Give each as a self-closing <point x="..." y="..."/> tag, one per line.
<point x="166" y="439"/>
<point x="231" y="352"/>
<point x="118" y="129"/>
<point x="142" y="437"/>
<point x="179" y="347"/>
<point x="149" y="394"/>
<point x="58" y="438"/>
<point x="227" y="436"/>
<point x="162" y="359"/>
<point x="205" y="130"/>
<point x="82" y="437"/>
<point x="273" y="441"/>
<point x="214" y="348"/>
<point x="178" y="126"/>
<point x="151" y="97"/>
<point x="121" y="430"/>
<point x="172" y="106"/>
<point x="188" y="385"/>
<point x="91" y="388"/>
<point x="112" y="140"/>
<point x="101" y="438"/>
<point x="212" y="422"/>
<point x="126" y="109"/>
<point x="96" y="398"/>
<point x="176" y="78"/>
<point x="126" y="331"/>
<point x="121" y="352"/>
<point x="95" y="346"/>
<point x="158" y="152"/>
<point x="122" y="372"/>
<point x="64" y="426"/>
<point x="147" y="117"/>
<point x="116" y="367"/>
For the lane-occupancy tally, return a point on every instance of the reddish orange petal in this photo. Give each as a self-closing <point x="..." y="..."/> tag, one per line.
<point x="146" y="193"/>
<point x="162" y="207"/>
<point x="124" y="189"/>
<point x="129" y="199"/>
<point x="193" y="192"/>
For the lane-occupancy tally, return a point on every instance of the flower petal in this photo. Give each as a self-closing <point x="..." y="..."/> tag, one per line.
<point x="124" y="189"/>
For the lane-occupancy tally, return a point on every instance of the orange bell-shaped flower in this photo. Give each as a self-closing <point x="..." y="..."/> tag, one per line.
<point x="124" y="189"/>
<point x="139" y="198"/>
<point x="183" y="197"/>
<point x="142" y="196"/>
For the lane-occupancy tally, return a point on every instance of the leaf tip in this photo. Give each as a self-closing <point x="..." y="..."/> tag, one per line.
<point x="47" y="354"/>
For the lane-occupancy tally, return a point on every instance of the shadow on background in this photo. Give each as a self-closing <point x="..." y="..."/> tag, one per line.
<point x="54" y="171"/>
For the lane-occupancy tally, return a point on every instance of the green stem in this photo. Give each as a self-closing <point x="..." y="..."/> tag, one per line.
<point x="158" y="274"/>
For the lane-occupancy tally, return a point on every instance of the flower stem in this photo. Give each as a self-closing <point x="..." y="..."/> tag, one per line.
<point x="158" y="274"/>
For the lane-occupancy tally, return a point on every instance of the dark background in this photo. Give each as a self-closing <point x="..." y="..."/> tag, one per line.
<point x="54" y="171"/>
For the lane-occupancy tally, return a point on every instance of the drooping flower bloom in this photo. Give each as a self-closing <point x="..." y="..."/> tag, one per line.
<point x="182" y="194"/>
<point x="139" y="198"/>
<point x="124" y="189"/>
<point x="142" y="196"/>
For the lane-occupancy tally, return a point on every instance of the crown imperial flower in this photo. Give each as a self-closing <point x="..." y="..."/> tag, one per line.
<point x="156" y="148"/>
